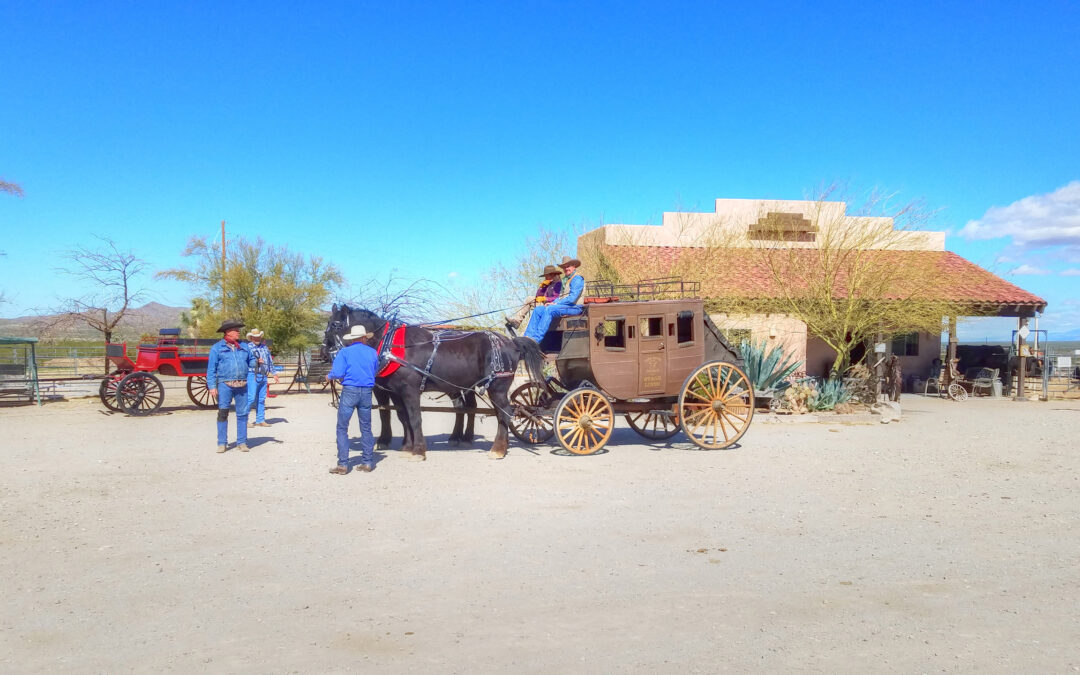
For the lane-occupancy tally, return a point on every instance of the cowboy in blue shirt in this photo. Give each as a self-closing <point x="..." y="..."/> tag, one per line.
<point x="568" y="305"/>
<point x="355" y="366"/>
<point x="226" y="379"/>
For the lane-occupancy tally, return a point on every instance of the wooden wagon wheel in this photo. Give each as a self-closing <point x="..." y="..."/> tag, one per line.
<point x="957" y="393"/>
<point x="716" y="405"/>
<point x="584" y="420"/>
<point x="656" y="425"/>
<point x="532" y="422"/>
<point x="199" y="393"/>
<point x="140" y="394"/>
<point x="107" y="390"/>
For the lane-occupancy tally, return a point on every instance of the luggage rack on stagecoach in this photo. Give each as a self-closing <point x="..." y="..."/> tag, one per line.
<point x="662" y="288"/>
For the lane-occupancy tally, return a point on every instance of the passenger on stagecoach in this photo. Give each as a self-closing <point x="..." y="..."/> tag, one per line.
<point x="226" y="379"/>
<point x="568" y="305"/>
<point x="548" y="292"/>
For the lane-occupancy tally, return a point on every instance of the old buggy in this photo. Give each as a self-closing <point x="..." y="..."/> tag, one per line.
<point x="646" y="351"/>
<point x="134" y="388"/>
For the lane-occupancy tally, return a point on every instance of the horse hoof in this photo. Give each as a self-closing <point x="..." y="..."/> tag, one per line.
<point x="494" y="455"/>
<point x="417" y="458"/>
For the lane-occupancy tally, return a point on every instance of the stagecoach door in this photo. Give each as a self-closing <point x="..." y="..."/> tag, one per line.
<point x="652" y="357"/>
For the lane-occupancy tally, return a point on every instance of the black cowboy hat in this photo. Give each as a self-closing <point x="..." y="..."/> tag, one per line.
<point x="230" y="324"/>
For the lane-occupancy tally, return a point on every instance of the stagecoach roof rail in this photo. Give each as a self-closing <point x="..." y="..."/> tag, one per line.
<point x="661" y="288"/>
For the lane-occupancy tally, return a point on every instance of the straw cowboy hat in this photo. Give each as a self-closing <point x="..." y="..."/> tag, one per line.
<point x="230" y="324"/>
<point x="355" y="333"/>
<point x="567" y="260"/>
<point x="551" y="269"/>
<point x="255" y="333"/>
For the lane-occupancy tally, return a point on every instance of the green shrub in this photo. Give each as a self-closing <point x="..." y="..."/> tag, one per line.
<point x="830" y="393"/>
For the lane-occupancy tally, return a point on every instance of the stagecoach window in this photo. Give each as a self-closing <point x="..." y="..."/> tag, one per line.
<point x="652" y="326"/>
<point x="685" y="325"/>
<point x="615" y="333"/>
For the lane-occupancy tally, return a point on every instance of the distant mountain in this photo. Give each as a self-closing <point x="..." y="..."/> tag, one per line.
<point x="150" y="318"/>
<point x="1069" y="335"/>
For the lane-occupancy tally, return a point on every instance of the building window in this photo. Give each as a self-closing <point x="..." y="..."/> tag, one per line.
<point x="906" y="344"/>
<point x="736" y="336"/>
<point x="685" y="327"/>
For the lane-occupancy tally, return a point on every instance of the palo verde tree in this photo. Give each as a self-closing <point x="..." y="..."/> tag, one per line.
<point x="268" y="287"/>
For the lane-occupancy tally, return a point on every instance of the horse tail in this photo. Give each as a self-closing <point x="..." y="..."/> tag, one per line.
<point x="534" y="359"/>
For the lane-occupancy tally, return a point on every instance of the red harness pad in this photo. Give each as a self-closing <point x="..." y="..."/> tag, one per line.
<point x="397" y="349"/>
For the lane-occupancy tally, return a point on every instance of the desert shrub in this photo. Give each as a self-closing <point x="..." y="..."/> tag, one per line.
<point x="767" y="371"/>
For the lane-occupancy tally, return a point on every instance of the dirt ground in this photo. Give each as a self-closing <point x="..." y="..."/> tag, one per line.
<point x="946" y="542"/>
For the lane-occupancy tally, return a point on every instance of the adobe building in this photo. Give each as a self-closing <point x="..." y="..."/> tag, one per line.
<point x="801" y="225"/>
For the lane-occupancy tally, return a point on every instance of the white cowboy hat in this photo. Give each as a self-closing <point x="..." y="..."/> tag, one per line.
<point x="255" y="333"/>
<point x="355" y="333"/>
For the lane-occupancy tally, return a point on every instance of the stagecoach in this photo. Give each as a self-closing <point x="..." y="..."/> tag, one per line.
<point x="134" y="389"/>
<point x="646" y="351"/>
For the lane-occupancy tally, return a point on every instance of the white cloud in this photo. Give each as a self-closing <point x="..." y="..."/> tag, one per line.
<point x="1072" y="272"/>
<point x="452" y="275"/>
<point x="1032" y="222"/>
<point x="1029" y="269"/>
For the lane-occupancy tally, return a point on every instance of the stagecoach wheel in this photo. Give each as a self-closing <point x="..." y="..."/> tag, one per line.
<point x="656" y="425"/>
<point x="532" y="421"/>
<point x="107" y="390"/>
<point x="199" y="393"/>
<point x="716" y="405"/>
<point x="140" y="394"/>
<point x="584" y="420"/>
<point x="957" y="393"/>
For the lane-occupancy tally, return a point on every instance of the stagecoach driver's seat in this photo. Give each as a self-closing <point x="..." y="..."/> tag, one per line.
<point x="568" y="305"/>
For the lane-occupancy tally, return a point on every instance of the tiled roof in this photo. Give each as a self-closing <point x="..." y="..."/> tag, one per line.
<point x="746" y="274"/>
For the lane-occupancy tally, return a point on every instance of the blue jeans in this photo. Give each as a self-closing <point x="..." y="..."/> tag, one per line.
<point x="225" y="396"/>
<point x="544" y="315"/>
<point x="358" y="399"/>
<point x="257" y="386"/>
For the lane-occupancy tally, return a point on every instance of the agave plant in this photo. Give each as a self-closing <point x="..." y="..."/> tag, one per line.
<point x="767" y="371"/>
<point x="830" y="393"/>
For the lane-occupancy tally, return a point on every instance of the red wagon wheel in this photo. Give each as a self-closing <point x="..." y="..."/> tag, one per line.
<point x="532" y="421"/>
<point x="107" y="390"/>
<point x="716" y="405"/>
<point x="140" y="394"/>
<point x="199" y="393"/>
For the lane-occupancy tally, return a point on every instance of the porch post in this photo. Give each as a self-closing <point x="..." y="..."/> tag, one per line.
<point x="950" y="351"/>
<point x="1021" y="389"/>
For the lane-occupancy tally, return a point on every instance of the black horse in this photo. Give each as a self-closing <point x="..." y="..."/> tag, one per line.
<point x="453" y="362"/>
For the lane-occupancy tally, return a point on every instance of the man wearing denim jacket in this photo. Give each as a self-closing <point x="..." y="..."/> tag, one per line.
<point x="226" y="378"/>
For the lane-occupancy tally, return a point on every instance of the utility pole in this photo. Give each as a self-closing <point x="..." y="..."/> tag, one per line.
<point x="223" y="268"/>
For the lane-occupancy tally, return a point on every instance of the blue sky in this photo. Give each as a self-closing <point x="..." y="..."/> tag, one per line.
<point x="432" y="138"/>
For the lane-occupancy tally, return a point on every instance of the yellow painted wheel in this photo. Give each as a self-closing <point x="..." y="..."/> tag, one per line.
<point x="716" y="405"/>
<point x="655" y="425"/>
<point x="584" y="420"/>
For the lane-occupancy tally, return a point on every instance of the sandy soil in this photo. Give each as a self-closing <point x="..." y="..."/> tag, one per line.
<point x="946" y="542"/>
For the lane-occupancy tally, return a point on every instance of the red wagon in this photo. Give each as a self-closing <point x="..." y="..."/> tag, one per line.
<point x="134" y="389"/>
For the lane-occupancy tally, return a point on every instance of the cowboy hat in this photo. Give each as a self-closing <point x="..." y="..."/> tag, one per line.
<point x="355" y="333"/>
<point x="567" y="260"/>
<point x="255" y="333"/>
<point x="230" y="324"/>
<point x="551" y="269"/>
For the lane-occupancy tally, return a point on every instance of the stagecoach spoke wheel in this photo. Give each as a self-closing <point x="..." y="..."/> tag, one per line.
<point x="584" y="420"/>
<point x="199" y="393"/>
<point x="716" y="405"/>
<point x="957" y="393"/>
<point x="532" y="422"/>
<point x="107" y="390"/>
<point x="140" y="394"/>
<point x="656" y="425"/>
